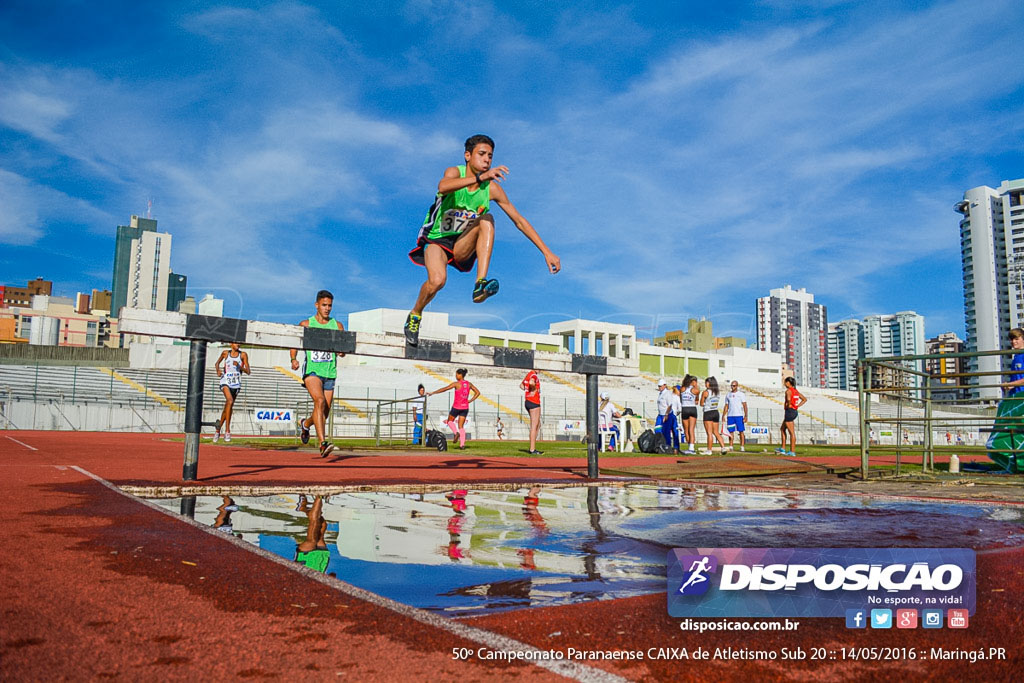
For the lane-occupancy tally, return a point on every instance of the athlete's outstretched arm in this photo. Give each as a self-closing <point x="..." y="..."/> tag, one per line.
<point x="442" y="389"/>
<point x="499" y="196"/>
<point x="451" y="181"/>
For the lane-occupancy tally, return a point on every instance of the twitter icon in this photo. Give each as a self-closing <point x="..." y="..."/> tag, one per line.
<point x="881" y="618"/>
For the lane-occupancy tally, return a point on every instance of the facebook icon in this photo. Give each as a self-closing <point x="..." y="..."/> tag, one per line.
<point x="856" y="618"/>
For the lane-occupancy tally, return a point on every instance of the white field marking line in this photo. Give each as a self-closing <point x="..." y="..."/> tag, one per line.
<point x="494" y="641"/>
<point x="31" y="448"/>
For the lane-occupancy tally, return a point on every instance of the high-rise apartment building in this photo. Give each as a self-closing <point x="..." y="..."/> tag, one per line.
<point x="900" y="334"/>
<point x="123" y="251"/>
<point x="845" y="348"/>
<point x="942" y="368"/>
<point x="142" y="267"/>
<point x="148" y="269"/>
<point x="790" y="323"/>
<point x="992" y="255"/>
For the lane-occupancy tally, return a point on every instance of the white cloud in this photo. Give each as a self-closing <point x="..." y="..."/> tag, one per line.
<point x="28" y="209"/>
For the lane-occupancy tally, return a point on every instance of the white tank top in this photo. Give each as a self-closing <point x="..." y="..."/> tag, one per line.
<point x="712" y="401"/>
<point x="232" y="376"/>
<point x="687" y="399"/>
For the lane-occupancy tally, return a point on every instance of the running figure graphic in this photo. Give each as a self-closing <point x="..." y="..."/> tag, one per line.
<point x="697" y="570"/>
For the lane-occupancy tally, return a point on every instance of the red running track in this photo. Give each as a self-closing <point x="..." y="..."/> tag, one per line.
<point x="97" y="584"/>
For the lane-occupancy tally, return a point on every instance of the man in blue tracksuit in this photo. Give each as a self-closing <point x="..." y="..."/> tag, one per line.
<point x="667" y="415"/>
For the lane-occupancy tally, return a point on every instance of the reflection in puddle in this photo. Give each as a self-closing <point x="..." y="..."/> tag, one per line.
<point x="464" y="552"/>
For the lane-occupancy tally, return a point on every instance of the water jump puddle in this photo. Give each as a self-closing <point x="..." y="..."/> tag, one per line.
<point x="464" y="553"/>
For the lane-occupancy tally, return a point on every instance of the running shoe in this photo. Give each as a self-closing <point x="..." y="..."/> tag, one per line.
<point x="412" y="330"/>
<point x="535" y="452"/>
<point x="303" y="432"/>
<point x="790" y="453"/>
<point x="325" y="448"/>
<point x="216" y="437"/>
<point x="227" y="438"/>
<point x="484" y="289"/>
<point x="780" y="451"/>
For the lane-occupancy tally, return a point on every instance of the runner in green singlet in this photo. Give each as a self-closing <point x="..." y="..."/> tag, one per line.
<point x="459" y="229"/>
<point x="313" y="551"/>
<point x="319" y="371"/>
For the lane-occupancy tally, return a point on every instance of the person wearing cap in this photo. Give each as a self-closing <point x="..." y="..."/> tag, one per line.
<point x="606" y="416"/>
<point x="667" y="416"/>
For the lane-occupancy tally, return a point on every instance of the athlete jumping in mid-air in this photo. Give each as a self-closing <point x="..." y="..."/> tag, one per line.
<point x="459" y="229"/>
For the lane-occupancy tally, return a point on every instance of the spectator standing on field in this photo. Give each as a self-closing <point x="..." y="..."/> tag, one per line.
<point x="667" y="406"/>
<point x="531" y="401"/>
<point x="688" y="395"/>
<point x="736" y="415"/>
<point x="794" y="399"/>
<point x="419" y="409"/>
<point x="709" y="401"/>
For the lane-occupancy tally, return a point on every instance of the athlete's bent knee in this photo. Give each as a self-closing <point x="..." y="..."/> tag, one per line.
<point x="437" y="280"/>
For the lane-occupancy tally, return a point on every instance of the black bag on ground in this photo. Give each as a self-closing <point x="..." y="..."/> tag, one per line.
<point x="645" y="442"/>
<point x="660" y="445"/>
<point x="436" y="439"/>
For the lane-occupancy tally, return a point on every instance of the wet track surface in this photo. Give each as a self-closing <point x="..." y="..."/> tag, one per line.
<point x="99" y="584"/>
<point x="471" y="552"/>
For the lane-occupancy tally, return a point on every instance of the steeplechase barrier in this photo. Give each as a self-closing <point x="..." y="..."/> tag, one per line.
<point x="199" y="330"/>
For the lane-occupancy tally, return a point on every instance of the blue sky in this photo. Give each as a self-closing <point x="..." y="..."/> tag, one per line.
<point x="681" y="158"/>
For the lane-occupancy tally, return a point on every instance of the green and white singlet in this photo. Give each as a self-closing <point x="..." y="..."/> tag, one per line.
<point x="451" y="213"/>
<point x="322" y="363"/>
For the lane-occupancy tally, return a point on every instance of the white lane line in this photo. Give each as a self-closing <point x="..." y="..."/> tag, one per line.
<point x="22" y="443"/>
<point x="494" y="641"/>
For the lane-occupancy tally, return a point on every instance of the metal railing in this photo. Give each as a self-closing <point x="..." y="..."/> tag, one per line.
<point x="910" y="412"/>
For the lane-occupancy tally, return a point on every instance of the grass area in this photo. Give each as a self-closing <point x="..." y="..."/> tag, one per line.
<point x="552" y="449"/>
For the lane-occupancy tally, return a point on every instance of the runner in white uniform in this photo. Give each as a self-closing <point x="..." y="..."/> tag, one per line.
<point x="235" y="363"/>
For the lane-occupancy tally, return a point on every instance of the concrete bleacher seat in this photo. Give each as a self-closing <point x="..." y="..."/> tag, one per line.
<point x="361" y="384"/>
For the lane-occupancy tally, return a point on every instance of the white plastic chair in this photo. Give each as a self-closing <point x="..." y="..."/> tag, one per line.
<point x="606" y="432"/>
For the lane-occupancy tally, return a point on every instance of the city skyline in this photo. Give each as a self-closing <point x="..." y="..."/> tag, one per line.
<point x="823" y="148"/>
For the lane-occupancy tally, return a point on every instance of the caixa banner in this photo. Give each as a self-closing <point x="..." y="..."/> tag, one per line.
<point x="816" y="582"/>
<point x="274" y="416"/>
